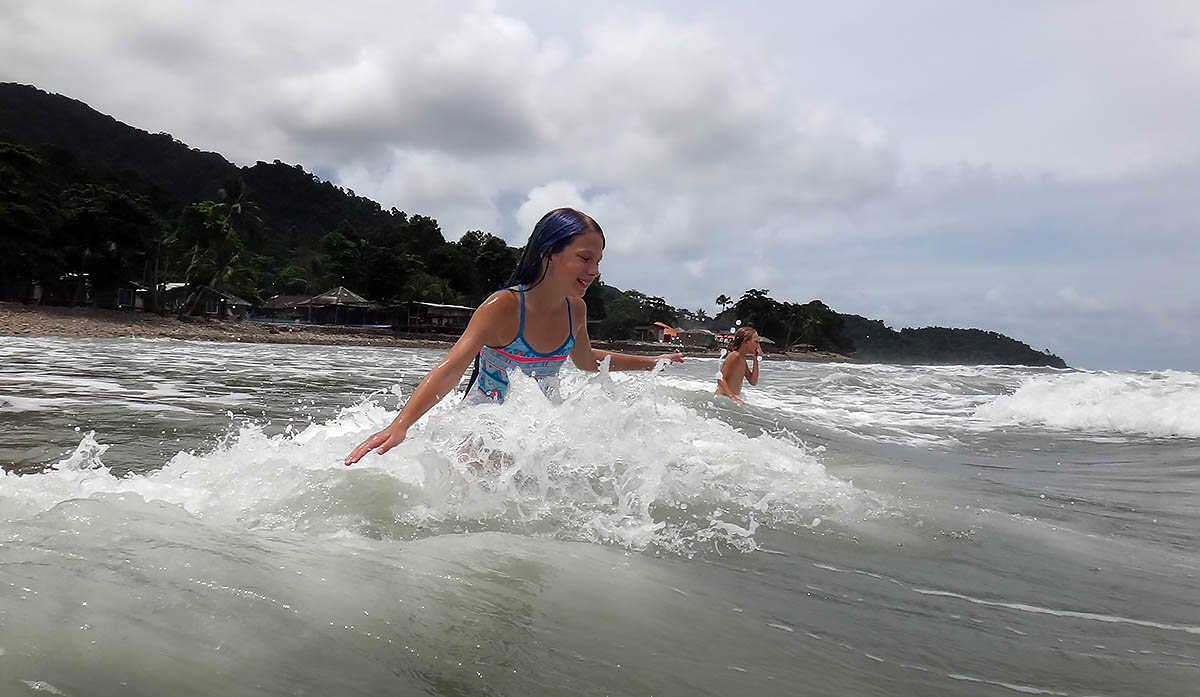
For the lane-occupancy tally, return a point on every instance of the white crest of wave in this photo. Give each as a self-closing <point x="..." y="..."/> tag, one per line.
<point x="619" y="462"/>
<point x="1159" y="404"/>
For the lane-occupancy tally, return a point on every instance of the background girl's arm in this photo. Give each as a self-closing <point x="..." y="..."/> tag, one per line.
<point x="587" y="358"/>
<point x="439" y="382"/>
<point x="752" y="375"/>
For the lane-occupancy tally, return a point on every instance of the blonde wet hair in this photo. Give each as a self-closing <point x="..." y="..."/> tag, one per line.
<point x="741" y="336"/>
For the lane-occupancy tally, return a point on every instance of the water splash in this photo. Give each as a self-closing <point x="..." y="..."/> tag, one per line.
<point x="619" y="462"/>
<point x="1159" y="404"/>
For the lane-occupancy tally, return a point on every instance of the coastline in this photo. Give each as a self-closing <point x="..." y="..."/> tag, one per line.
<point x="94" y="323"/>
<point x="21" y="320"/>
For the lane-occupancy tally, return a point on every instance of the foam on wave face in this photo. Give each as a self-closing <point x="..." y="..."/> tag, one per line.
<point x="1158" y="404"/>
<point x="619" y="463"/>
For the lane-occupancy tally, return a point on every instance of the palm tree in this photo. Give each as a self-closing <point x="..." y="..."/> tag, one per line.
<point x="164" y="240"/>
<point x="216" y="255"/>
<point x="724" y="301"/>
<point x="238" y="212"/>
<point x="214" y="232"/>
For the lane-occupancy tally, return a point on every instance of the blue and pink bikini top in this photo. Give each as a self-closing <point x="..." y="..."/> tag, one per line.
<point x="495" y="363"/>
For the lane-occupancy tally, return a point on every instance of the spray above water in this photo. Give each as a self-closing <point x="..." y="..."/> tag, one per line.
<point x="621" y="461"/>
<point x="1159" y="404"/>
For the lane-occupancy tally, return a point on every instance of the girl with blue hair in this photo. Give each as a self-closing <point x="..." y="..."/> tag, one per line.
<point x="517" y="328"/>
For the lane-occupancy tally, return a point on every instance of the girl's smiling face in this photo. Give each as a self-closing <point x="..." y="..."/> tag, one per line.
<point x="575" y="267"/>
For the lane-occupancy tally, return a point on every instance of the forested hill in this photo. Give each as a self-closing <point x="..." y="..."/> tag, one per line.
<point x="31" y="117"/>
<point x="84" y="194"/>
<point x="300" y="206"/>
<point x="875" y="341"/>
<point x="89" y="205"/>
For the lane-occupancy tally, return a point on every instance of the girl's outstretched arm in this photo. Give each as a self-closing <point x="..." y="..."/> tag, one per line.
<point x="439" y="382"/>
<point x="627" y="361"/>
<point x="587" y="358"/>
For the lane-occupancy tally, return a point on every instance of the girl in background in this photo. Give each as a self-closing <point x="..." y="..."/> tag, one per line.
<point x="745" y="346"/>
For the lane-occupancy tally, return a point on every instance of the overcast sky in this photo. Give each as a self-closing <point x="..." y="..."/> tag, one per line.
<point x="1029" y="167"/>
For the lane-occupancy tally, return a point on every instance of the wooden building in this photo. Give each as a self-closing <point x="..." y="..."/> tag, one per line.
<point x="181" y="298"/>
<point x="437" y="318"/>
<point x="696" y="337"/>
<point x="657" y="333"/>
<point x="335" y="306"/>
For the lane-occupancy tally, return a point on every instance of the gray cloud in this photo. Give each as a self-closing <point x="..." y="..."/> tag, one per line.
<point x="992" y="165"/>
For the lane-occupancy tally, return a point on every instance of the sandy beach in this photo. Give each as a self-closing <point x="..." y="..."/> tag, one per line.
<point x="33" y="320"/>
<point x="30" y="320"/>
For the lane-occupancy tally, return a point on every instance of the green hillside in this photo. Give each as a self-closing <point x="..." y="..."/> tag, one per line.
<point x="89" y="205"/>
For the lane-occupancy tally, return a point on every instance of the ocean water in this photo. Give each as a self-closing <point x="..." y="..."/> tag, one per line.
<point x="175" y="520"/>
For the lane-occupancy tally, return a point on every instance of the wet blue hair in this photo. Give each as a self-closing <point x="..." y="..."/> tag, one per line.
<point x="551" y="235"/>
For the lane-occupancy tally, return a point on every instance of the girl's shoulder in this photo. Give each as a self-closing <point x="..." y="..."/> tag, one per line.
<point x="499" y="306"/>
<point x="498" y="316"/>
<point x="578" y="312"/>
<point x="503" y="299"/>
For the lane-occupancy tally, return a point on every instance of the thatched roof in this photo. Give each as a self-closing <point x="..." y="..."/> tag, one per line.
<point x="183" y="290"/>
<point x="283" y="302"/>
<point x="442" y="306"/>
<point x="337" y="296"/>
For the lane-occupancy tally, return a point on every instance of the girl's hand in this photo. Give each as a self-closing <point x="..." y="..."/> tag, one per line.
<point x="672" y="357"/>
<point x="380" y="442"/>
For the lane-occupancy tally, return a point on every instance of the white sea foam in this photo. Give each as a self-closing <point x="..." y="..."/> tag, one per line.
<point x="1072" y="614"/>
<point x="618" y="464"/>
<point x="896" y="404"/>
<point x="15" y="404"/>
<point x="1159" y="404"/>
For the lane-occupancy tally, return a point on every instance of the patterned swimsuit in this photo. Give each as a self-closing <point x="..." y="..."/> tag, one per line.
<point x="495" y="363"/>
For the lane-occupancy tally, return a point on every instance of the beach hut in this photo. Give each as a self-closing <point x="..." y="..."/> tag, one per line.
<point x="657" y="332"/>
<point x="437" y="317"/>
<point x="179" y="297"/>
<point x="68" y="289"/>
<point x="127" y="296"/>
<point x="696" y="337"/>
<point x="282" y="308"/>
<point x="335" y="306"/>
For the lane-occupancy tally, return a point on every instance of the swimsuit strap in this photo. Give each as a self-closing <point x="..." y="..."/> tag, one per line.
<point x="521" y="327"/>
<point x="570" y="324"/>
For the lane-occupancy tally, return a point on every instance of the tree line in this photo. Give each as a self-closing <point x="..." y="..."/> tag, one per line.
<point x="85" y="199"/>
<point x="64" y="220"/>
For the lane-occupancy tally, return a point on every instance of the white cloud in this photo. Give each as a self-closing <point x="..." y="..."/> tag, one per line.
<point x="1069" y="300"/>
<point x="429" y="181"/>
<point x="986" y="165"/>
<point x="545" y="198"/>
